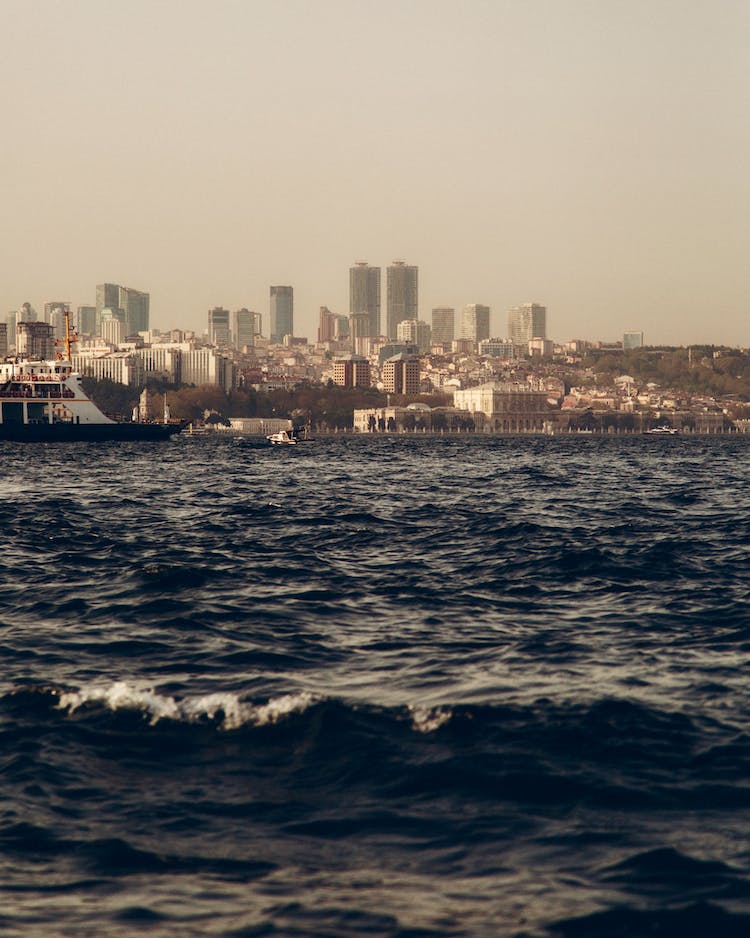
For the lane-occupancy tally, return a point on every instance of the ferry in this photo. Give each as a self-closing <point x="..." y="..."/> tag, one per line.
<point x="43" y="401"/>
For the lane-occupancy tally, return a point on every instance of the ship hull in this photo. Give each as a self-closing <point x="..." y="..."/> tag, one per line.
<point x="86" y="433"/>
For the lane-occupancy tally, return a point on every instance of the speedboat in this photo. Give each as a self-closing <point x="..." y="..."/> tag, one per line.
<point x="663" y="431"/>
<point x="281" y="438"/>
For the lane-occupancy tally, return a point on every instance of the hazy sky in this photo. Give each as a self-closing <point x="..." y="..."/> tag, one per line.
<point x="590" y="155"/>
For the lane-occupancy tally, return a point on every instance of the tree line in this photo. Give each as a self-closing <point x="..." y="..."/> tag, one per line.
<point x="319" y="405"/>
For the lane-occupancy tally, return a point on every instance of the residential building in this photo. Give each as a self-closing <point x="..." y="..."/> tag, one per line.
<point x="50" y="307"/>
<point x="403" y="295"/>
<point x="352" y="371"/>
<point x="57" y="321"/>
<point x="359" y="331"/>
<point x="326" y="325"/>
<point x="364" y="294"/>
<point x="443" y="325"/>
<point x="35" y="340"/>
<point x="401" y="374"/>
<point x="3" y="339"/>
<point x="475" y="322"/>
<point x="414" y="332"/>
<point x="497" y="348"/>
<point x="541" y="348"/>
<point x="526" y="322"/>
<point x="282" y="313"/>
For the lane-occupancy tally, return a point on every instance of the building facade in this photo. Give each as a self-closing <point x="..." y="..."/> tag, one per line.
<point x="403" y="295"/>
<point x="35" y="340"/>
<point x="86" y="320"/>
<point x="242" y="328"/>
<point x="443" y="325"/>
<point x="631" y="340"/>
<point x="364" y="294"/>
<point x="352" y="371"/>
<point x="508" y="408"/>
<point x="526" y="322"/>
<point x="475" y="322"/>
<point x="120" y="367"/>
<point x="326" y="325"/>
<point x="282" y="313"/>
<point x="218" y="327"/>
<point x="414" y="332"/>
<point x="134" y="304"/>
<point x="401" y="375"/>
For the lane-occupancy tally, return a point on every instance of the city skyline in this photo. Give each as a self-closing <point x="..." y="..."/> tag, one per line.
<point x="622" y="203"/>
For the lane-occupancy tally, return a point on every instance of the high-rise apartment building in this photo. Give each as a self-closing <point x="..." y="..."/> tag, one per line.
<point x="218" y="327"/>
<point x="443" y="325"/>
<point x="359" y="330"/>
<point x="526" y="322"/>
<point x="3" y="339"/>
<point x="364" y="294"/>
<point x="352" y="372"/>
<point x="475" y="322"/>
<point x="401" y="375"/>
<point x="414" y="332"/>
<point x="35" y="340"/>
<point x="242" y="328"/>
<point x="282" y="313"/>
<point x="403" y="295"/>
<point x="49" y="308"/>
<point x="326" y="325"/>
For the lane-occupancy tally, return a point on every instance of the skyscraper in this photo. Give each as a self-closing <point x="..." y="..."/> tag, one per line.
<point x="242" y="328"/>
<point x="282" y="313"/>
<point x="526" y="322"/>
<point x="326" y="324"/>
<point x="443" y="325"/>
<point x="86" y="320"/>
<point x="364" y="294"/>
<point x="133" y="303"/>
<point x="403" y="295"/>
<point x="218" y="326"/>
<point x="475" y="322"/>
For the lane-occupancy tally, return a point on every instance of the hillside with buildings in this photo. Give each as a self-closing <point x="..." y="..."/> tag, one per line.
<point x="392" y="373"/>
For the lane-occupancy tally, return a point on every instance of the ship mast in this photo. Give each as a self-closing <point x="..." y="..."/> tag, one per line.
<point x="70" y="337"/>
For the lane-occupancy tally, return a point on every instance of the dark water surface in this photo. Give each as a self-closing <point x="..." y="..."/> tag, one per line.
<point x="376" y="687"/>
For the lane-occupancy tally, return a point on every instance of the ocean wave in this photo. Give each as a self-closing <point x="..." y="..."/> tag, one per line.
<point x="223" y="708"/>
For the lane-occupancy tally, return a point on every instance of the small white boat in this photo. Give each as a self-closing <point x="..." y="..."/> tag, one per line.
<point x="663" y="431"/>
<point x="281" y="438"/>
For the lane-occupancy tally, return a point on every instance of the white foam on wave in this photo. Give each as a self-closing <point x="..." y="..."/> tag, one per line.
<point x="232" y="711"/>
<point x="429" y="719"/>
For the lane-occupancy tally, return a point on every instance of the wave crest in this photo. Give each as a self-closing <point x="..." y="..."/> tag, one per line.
<point x="226" y="709"/>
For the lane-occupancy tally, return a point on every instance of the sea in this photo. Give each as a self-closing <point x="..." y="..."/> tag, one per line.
<point x="400" y="686"/>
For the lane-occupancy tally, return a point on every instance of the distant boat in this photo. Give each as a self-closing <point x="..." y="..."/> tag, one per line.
<point x="663" y="431"/>
<point x="281" y="438"/>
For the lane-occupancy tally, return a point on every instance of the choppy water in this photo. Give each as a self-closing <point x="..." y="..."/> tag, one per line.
<point x="376" y="687"/>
